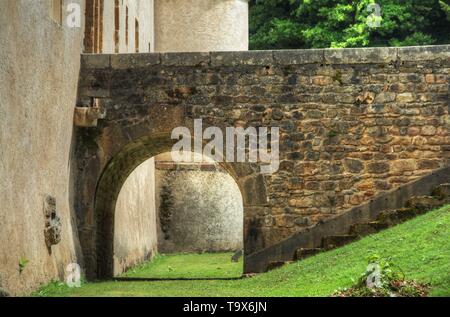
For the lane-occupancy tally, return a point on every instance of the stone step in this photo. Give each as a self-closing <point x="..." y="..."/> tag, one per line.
<point x="424" y="203"/>
<point x="332" y="242"/>
<point x="364" y="229"/>
<point x="304" y="253"/>
<point x="442" y="191"/>
<point x="393" y="217"/>
<point x="277" y="264"/>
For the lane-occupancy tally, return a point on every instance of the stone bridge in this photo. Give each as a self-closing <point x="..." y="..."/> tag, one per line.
<point x="354" y="123"/>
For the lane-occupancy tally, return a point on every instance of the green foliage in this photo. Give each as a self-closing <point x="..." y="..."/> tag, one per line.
<point x="388" y="281"/>
<point x="446" y="8"/>
<point x="23" y="262"/>
<point x="283" y="24"/>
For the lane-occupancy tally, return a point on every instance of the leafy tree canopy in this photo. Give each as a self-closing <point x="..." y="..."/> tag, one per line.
<point x="283" y="24"/>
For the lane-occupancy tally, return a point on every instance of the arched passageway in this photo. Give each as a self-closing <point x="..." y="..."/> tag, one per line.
<point x="178" y="211"/>
<point x="98" y="239"/>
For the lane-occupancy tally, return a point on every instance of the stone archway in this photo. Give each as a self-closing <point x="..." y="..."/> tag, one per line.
<point x="121" y="166"/>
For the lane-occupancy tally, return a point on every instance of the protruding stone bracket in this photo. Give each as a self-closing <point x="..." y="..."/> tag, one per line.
<point x="87" y="117"/>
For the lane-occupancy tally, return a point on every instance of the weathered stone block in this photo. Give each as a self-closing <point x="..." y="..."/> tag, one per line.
<point x="185" y="59"/>
<point x="365" y="229"/>
<point x="132" y="61"/>
<point x="296" y="57"/>
<point x="95" y="61"/>
<point x="428" y="130"/>
<point x="337" y="241"/>
<point x="360" y="55"/>
<point x="261" y="58"/>
<point x="442" y="191"/>
<point x="385" y="97"/>
<point x="405" y="97"/>
<point x="424" y="203"/>
<point x="378" y="167"/>
<point x="353" y="165"/>
<point x="400" y="166"/>
<point x="393" y="217"/>
<point x="303" y="253"/>
<point x="422" y="53"/>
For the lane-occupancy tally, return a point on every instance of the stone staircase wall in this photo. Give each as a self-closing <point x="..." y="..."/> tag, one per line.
<point x="384" y="211"/>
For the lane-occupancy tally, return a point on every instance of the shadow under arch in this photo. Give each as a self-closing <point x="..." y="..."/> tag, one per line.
<point x="247" y="176"/>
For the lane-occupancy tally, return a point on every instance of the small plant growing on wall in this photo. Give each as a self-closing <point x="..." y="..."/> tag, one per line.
<point x="23" y="262"/>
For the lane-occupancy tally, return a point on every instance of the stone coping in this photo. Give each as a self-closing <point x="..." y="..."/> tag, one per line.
<point x="269" y="57"/>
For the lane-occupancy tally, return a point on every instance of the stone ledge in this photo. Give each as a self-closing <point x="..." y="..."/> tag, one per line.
<point x="360" y="55"/>
<point x="269" y="57"/>
<point x="95" y="61"/>
<point x="422" y="53"/>
<point x="296" y="57"/>
<point x="242" y="58"/>
<point x="185" y="59"/>
<point x="127" y="61"/>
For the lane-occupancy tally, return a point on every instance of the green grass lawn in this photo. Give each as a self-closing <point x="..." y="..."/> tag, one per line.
<point x="206" y="265"/>
<point x="421" y="247"/>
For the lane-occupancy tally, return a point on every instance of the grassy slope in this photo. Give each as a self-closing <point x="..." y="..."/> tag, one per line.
<point x="421" y="247"/>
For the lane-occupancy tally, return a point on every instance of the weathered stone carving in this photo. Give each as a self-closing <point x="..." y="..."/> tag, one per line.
<point x="52" y="222"/>
<point x="87" y="117"/>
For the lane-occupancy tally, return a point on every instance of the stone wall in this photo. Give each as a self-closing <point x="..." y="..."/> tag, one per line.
<point x="37" y="97"/>
<point x="354" y="122"/>
<point x="135" y="236"/>
<point x="200" y="209"/>
<point x="39" y="72"/>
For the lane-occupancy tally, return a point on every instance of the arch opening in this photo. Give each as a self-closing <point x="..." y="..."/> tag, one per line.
<point x="115" y="175"/>
<point x="179" y="220"/>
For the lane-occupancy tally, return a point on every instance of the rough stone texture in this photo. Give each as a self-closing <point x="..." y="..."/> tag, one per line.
<point x="331" y="242"/>
<point x="135" y="237"/>
<point x="363" y="229"/>
<point x="340" y="145"/>
<point x="53" y="224"/>
<point x="205" y="210"/>
<point x="424" y="203"/>
<point x="201" y="25"/>
<point x="442" y="191"/>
